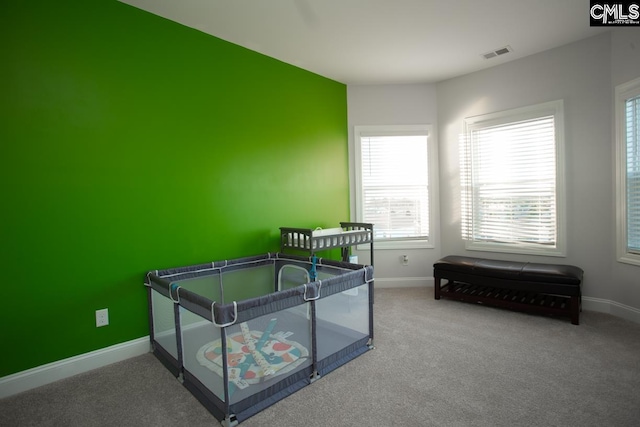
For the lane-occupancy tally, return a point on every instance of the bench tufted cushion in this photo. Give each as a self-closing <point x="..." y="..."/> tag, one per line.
<point x="512" y="270"/>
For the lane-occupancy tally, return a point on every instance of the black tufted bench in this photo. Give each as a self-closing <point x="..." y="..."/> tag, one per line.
<point x="544" y="288"/>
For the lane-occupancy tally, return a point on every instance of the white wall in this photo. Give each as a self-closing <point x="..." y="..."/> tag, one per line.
<point x="581" y="75"/>
<point x="395" y="105"/>
<point x="625" y="66"/>
<point x="625" y="55"/>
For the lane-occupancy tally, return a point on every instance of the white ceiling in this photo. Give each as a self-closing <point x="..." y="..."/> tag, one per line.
<point x="385" y="41"/>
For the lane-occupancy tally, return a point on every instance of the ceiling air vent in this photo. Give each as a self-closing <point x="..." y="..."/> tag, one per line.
<point x="497" y="52"/>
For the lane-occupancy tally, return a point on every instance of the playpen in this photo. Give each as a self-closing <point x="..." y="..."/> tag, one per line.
<point x="279" y="330"/>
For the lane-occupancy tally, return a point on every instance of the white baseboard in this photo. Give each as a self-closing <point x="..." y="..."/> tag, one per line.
<point x="611" y="307"/>
<point x="45" y="374"/>
<point x="403" y="282"/>
<point x="588" y="303"/>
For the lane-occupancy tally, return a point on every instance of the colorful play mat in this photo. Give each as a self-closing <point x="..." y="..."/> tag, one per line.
<point x="253" y="356"/>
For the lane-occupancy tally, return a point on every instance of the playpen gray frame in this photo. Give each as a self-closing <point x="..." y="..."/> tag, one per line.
<point x="223" y="315"/>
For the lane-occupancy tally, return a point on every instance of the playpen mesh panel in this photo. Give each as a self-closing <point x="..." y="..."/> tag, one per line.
<point x="291" y="276"/>
<point x="206" y="286"/>
<point x="325" y="272"/>
<point x="196" y="332"/>
<point x="164" y="327"/>
<point x="267" y="350"/>
<point x="248" y="282"/>
<point x="342" y="320"/>
<point x="261" y="352"/>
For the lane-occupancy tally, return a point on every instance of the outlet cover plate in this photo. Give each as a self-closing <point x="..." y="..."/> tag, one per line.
<point x="102" y="317"/>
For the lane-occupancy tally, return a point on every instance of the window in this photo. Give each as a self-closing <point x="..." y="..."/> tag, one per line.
<point x="512" y="181"/>
<point x="393" y="173"/>
<point x="628" y="171"/>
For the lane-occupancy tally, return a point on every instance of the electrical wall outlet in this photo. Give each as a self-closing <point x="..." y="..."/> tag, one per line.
<point x="102" y="317"/>
<point x="405" y="259"/>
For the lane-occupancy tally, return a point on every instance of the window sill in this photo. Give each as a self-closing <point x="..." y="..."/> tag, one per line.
<point x="628" y="258"/>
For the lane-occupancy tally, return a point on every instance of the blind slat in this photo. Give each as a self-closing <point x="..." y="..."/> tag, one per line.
<point x="395" y="184"/>
<point x="511" y="171"/>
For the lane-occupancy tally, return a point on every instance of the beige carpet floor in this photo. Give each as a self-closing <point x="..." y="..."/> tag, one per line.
<point x="436" y="363"/>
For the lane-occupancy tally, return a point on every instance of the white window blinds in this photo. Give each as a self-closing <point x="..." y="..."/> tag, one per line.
<point x="395" y="185"/>
<point x="632" y="129"/>
<point x="511" y="183"/>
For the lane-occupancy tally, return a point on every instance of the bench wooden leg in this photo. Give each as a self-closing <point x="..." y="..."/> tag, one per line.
<point x="436" y="288"/>
<point x="575" y="307"/>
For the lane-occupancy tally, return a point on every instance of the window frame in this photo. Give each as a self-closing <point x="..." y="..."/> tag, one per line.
<point x="555" y="108"/>
<point x="432" y="165"/>
<point x="623" y="92"/>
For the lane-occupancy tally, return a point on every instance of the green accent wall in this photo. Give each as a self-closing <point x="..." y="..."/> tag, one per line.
<point x="131" y="143"/>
